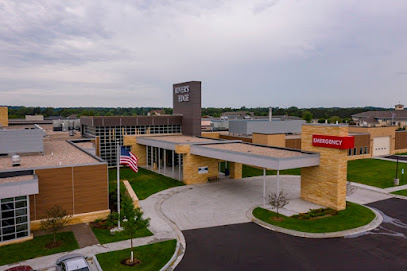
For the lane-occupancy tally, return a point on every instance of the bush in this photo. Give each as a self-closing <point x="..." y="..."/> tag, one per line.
<point x="111" y="220"/>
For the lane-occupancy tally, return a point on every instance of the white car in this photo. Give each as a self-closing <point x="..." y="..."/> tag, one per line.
<point x="72" y="262"/>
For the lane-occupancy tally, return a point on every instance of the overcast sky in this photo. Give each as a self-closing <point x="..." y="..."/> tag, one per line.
<point x="316" y="53"/>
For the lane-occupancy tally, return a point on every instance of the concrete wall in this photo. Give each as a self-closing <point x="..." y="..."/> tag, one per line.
<point x="276" y="140"/>
<point x="3" y="116"/>
<point x="21" y="141"/>
<point x="325" y="184"/>
<point x="248" y="127"/>
<point x="34" y="117"/>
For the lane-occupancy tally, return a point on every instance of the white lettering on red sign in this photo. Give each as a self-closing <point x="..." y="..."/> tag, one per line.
<point x="336" y="142"/>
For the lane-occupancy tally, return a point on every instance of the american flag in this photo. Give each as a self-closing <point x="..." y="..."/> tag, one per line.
<point x="128" y="158"/>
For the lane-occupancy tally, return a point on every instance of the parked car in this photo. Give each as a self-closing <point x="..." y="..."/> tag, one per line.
<point x="20" y="268"/>
<point x="72" y="262"/>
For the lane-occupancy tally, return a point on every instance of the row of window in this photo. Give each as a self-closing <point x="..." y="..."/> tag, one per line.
<point x="14" y="218"/>
<point x="357" y="151"/>
<point x="109" y="134"/>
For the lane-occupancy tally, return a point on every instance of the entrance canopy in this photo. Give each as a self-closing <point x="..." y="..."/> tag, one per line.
<point x="237" y="151"/>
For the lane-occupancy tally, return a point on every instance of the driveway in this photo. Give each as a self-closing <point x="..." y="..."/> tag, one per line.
<point x="248" y="246"/>
<point x="226" y="202"/>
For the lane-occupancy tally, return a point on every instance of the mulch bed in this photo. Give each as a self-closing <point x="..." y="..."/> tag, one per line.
<point x="129" y="263"/>
<point x="53" y="245"/>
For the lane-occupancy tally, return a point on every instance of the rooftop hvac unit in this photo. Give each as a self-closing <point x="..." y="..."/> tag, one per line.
<point x="16" y="160"/>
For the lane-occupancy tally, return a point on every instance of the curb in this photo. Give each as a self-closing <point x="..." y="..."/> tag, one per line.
<point x="372" y="225"/>
<point x="181" y="243"/>
<point x="96" y="262"/>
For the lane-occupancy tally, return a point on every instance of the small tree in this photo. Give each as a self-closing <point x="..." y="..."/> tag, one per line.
<point x="278" y="201"/>
<point x="56" y="218"/>
<point x="133" y="220"/>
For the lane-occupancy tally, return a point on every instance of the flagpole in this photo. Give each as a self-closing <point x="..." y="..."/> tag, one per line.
<point x="118" y="182"/>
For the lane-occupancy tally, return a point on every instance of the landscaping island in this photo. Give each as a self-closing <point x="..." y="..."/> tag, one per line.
<point x="320" y="220"/>
<point x="152" y="257"/>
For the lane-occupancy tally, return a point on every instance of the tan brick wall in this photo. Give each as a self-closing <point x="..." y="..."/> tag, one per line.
<point x="191" y="165"/>
<point x="235" y="170"/>
<point x="137" y="149"/>
<point x="357" y="157"/>
<point x="325" y="184"/>
<point x="277" y="140"/>
<point x="182" y="149"/>
<point x="4" y="116"/>
<point x="377" y="132"/>
<point x="210" y="134"/>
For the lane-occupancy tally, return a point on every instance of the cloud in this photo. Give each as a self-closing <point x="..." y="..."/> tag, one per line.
<point x="253" y="53"/>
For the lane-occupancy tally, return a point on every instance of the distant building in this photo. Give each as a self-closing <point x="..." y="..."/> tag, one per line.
<point x="396" y="117"/>
<point x="237" y="115"/>
<point x="156" y="113"/>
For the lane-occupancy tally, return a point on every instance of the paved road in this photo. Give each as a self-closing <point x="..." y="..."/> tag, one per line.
<point x="248" y="246"/>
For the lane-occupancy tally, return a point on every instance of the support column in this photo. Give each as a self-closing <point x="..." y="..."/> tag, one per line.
<point x="179" y="167"/>
<point x="235" y="170"/>
<point x="165" y="159"/>
<point x="264" y="187"/>
<point x="146" y="157"/>
<point x="173" y="164"/>
<point x="325" y="184"/>
<point x="152" y="157"/>
<point x="159" y="160"/>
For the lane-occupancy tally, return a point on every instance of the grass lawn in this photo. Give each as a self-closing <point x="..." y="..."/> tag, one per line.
<point x="374" y="172"/>
<point x="36" y="248"/>
<point x="153" y="257"/>
<point x="403" y="153"/>
<point x="144" y="183"/>
<point x="104" y="236"/>
<point x="249" y="171"/>
<point x="354" y="216"/>
<point x="401" y="192"/>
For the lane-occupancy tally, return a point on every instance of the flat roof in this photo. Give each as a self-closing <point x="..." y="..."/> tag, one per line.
<point x="236" y="151"/>
<point x="17" y="179"/>
<point x="183" y="139"/>
<point x="257" y="155"/>
<point x="56" y="153"/>
<point x="256" y="149"/>
<point x="170" y="141"/>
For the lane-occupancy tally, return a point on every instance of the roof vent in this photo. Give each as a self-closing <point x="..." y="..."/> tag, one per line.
<point x="16" y="160"/>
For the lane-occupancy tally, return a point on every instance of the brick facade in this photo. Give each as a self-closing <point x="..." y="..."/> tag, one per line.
<point x="326" y="183"/>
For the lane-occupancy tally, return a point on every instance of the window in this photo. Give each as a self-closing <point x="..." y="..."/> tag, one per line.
<point x="350" y="152"/>
<point x="355" y="151"/>
<point x="361" y="150"/>
<point x="365" y="150"/>
<point x="14" y="218"/>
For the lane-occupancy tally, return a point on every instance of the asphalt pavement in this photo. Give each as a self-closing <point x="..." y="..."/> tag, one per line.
<point x="248" y="246"/>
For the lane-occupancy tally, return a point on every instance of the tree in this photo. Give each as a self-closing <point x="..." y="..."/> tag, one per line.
<point x="133" y="220"/>
<point x="307" y="116"/>
<point x="56" y="218"/>
<point x="335" y="119"/>
<point x="278" y="201"/>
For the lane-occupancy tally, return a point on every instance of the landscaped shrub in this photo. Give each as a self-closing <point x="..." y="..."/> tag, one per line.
<point x="316" y="213"/>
